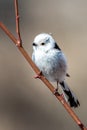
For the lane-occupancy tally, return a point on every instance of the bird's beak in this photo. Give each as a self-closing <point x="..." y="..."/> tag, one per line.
<point x="34" y="44"/>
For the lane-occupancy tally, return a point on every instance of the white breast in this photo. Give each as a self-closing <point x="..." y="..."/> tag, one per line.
<point x="53" y="64"/>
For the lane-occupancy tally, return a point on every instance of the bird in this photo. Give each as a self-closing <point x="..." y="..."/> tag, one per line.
<point x="52" y="62"/>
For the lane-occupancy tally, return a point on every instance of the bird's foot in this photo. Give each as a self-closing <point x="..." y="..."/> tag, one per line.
<point x="55" y="91"/>
<point x="62" y="95"/>
<point x="38" y="75"/>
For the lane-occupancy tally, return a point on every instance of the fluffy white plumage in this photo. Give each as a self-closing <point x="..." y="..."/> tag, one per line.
<point x="53" y="64"/>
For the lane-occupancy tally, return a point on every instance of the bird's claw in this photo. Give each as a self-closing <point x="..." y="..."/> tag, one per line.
<point x="38" y="75"/>
<point x="62" y="95"/>
<point x="55" y="91"/>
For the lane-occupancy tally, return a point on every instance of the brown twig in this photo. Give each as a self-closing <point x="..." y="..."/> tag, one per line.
<point x="19" y="41"/>
<point x="29" y="60"/>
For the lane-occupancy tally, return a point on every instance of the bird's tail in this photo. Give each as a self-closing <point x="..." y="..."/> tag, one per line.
<point x="69" y="95"/>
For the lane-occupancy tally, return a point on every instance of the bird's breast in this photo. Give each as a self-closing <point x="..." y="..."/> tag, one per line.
<point x="52" y="64"/>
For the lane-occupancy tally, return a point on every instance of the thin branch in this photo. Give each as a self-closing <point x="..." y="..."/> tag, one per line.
<point x="19" y="41"/>
<point x="34" y="67"/>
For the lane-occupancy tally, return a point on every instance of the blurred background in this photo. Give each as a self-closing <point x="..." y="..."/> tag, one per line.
<point x="26" y="103"/>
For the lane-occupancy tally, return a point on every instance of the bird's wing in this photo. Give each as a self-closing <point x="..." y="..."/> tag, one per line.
<point x="57" y="47"/>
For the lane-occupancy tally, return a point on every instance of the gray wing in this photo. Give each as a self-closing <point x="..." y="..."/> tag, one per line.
<point x="57" y="47"/>
<point x="33" y="56"/>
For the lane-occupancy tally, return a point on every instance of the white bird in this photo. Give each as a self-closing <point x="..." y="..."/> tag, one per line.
<point x="52" y="62"/>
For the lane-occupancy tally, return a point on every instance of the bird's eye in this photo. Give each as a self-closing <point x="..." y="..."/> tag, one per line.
<point x="43" y="43"/>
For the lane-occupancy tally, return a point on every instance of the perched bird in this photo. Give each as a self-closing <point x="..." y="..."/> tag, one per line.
<point x="52" y="62"/>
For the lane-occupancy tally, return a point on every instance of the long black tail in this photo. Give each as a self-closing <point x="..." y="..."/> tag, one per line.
<point x="73" y="101"/>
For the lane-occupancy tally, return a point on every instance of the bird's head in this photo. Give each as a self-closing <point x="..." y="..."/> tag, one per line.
<point x="43" y="42"/>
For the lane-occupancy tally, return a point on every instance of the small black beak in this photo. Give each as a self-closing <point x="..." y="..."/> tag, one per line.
<point x="34" y="44"/>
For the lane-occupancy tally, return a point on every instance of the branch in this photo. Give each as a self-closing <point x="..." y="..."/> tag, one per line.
<point x="18" y="43"/>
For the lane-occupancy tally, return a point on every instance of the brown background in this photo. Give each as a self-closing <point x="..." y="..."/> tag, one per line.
<point x="26" y="103"/>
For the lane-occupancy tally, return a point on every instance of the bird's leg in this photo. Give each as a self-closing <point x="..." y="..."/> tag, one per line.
<point x="56" y="89"/>
<point x="38" y="75"/>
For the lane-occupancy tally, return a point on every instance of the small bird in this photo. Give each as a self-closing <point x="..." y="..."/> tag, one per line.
<point x="52" y="62"/>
